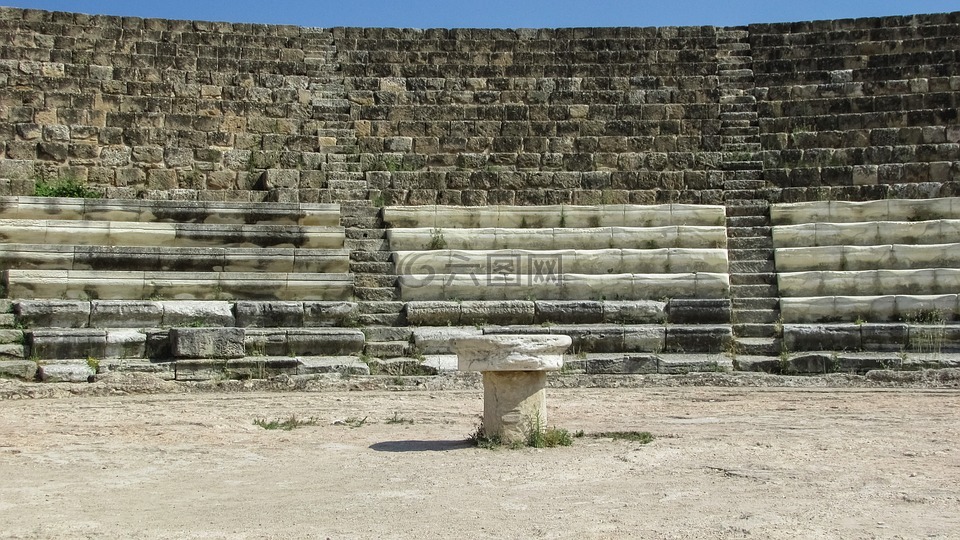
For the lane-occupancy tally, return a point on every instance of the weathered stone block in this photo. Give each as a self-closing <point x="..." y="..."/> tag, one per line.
<point x="18" y="369"/>
<point x="616" y="364"/>
<point x="698" y="339"/>
<point x="207" y="342"/>
<point x="67" y="372"/>
<point x="265" y="342"/>
<point x="268" y="314"/>
<point x="433" y="313"/>
<point x="324" y="342"/>
<point x="698" y="311"/>
<point x="821" y="337"/>
<point x="675" y="364"/>
<point x="125" y="314"/>
<point x="332" y="364"/>
<point x="206" y="313"/>
<point x="53" y="313"/>
<point x="330" y="313"/>
<point x="569" y="312"/>
<point x="634" y="311"/>
<point x="125" y="343"/>
<point x="66" y="343"/>
<point x="497" y="312"/>
<point x="439" y="340"/>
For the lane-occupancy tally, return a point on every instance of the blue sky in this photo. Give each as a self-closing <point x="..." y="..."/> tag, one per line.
<point x="496" y="13"/>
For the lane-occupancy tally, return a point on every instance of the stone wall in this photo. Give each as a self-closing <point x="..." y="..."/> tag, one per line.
<point x="218" y="111"/>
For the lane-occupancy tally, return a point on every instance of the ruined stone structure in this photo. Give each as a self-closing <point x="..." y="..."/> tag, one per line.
<point x="298" y="200"/>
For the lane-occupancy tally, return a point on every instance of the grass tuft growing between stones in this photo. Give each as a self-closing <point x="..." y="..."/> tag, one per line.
<point x="67" y="187"/>
<point x="642" y="437"/>
<point x="537" y="437"/>
<point x="285" y="425"/>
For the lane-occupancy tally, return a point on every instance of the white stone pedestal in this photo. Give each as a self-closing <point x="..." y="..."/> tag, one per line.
<point x="514" y="371"/>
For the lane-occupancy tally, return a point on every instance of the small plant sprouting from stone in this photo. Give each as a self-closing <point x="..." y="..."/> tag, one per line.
<point x="642" y="437"/>
<point x="93" y="363"/>
<point x="65" y="187"/>
<point x="286" y="425"/>
<point x="537" y="437"/>
<point x="397" y="419"/>
<point x="436" y="239"/>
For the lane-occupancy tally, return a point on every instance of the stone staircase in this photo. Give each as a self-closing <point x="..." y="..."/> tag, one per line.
<point x="753" y="286"/>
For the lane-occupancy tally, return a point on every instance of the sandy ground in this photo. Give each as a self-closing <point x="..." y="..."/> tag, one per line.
<point x="726" y="463"/>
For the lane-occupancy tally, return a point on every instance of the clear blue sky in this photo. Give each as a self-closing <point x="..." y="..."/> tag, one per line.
<point x="496" y="13"/>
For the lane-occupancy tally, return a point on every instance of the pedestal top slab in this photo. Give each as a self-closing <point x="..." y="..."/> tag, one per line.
<point x="506" y="352"/>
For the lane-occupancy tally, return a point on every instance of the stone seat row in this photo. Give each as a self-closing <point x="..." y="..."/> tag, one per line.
<point x="877" y="261"/>
<point x="616" y="252"/>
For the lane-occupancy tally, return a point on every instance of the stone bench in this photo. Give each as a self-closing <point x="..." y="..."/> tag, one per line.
<point x="564" y="286"/>
<point x="847" y="257"/>
<point x="853" y="212"/>
<point x="672" y="236"/>
<point x="133" y="285"/>
<point x="191" y="343"/>
<point x="555" y="216"/>
<point x="577" y="261"/>
<point x="940" y="231"/>
<point x="106" y="233"/>
<point x="878" y="308"/>
<point x="203" y="259"/>
<point x="156" y="211"/>
<point x="172" y="313"/>
<point x="869" y="282"/>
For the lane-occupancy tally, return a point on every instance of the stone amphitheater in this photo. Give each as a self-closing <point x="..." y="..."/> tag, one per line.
<point x="277" y="199"/>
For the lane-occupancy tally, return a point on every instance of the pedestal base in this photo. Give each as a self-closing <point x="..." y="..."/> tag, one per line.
<point x="513" y="403"/>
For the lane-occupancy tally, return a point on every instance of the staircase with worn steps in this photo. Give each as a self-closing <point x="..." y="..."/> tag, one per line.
<point x="753" y="285"/>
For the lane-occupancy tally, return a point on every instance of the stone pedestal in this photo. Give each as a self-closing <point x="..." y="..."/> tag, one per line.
<point x="514" y="371"/>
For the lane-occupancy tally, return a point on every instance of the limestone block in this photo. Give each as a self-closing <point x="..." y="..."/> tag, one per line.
<point x="594" y="287"/>
<point x="568" y="311"/>
<point x="879" y="210"/>
<point x="332" y="364"/>
<point x="67" y="372"/>
<point x="821" y="337"/>
<point x="927" y="308"/>
<point x="37" y="257"/>
<point x="213" y="343"/>
<point x="74" y="284"/>
<point x="647" y="338"/>
<point x="268" y="314"/>
<point x="698" y="339"/>
<point x="158" y="345"/>
<point x="621" y="364"/>
<point x="513" y="401"/>
<point x="698" y="311"/>
<point x="18" y="369"/>
<point x="125" y="314"/>
<point x="838" y="308"/>
<point x="330" y="313"/>
<point x="53" y="313"/>
<point x="436" y="313"/>
<point x="508" y="353"/>
<point x="188" y="313"/>
<point x="634" y="311"/>
<point x="869" y="282"/>
<point x="597" y="338"/>
<point x="12" y="350"/>
<point x="676" y="364"/>
<point x="497" y="312"/>
<point x="441" y="363"/>
<point x="265" y="342"/>
<point x="324" y="341"/>
<point x="199" y="369"/>
<point x="66" y="343"/>
<point x="260" y="368"/>
<point x="125" y="343"/>
<point x="891" y="257"/>
<point x="892" y="337"/>
<point x="327" y="287"/>
<point x="440" y="340"/>
<point x="386" y="349"/>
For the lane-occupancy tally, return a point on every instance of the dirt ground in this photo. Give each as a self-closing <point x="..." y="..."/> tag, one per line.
<point x="727" y="462"/>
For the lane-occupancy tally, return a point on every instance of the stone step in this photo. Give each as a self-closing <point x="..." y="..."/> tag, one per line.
<point x="372" y="268"/>
<point x="884" y="308"/>
<point x="757" y="316"/>
<point x="746" y="175"/>
<point x="370" y="256"/>
<point x="932" y="281"/>
<point x="45" y="209"/>
<point x="552" y="216"/>
<point x="376" y="280"/>
<point x="750" y="254"/>
<point x="645" y="363"/>
<point x="742" y="165"/>
<point x="735" y="222"/>
<point x="546" y="312"/>
<point x="172" y="259"/>
<point x="755" y="303"/>
<point x="678" y="236"/>
<point x="748" y="266"/>
<point x="758" y="208"/>
<point x="376" y="294"/>
<point x="361" y="226"/>
<point x="753" y="278"/>
<point x="356" y="233"/>
<point x="574" y="286"/>
<point x="741" y="147"/>
<point x="750" y="242"/>
<point x="761" y="330"/>
<point x="757" y="346"/>
<point x="107" y="233"/>
<point x="134" y="285"/>
<point x="753" y="291"/>
<point x="735" y="185"/>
